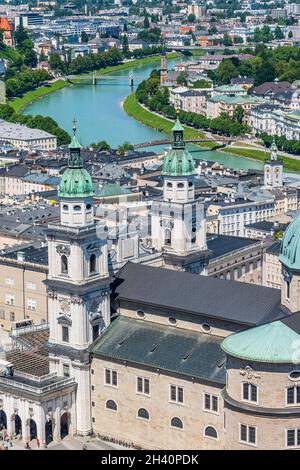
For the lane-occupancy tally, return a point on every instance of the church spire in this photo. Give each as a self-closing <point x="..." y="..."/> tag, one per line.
<point x="75" y="159"/>
<point x="177" y="130"/>
<point x="274" y="150"/>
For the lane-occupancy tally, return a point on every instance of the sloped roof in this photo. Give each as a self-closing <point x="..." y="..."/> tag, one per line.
<point x="238" y="302"/>
<point x="274" y="342"/>
<point x="174" y="350"/>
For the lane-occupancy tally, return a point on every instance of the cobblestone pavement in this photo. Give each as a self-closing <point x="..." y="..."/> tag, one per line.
<point x="71" y="443"/>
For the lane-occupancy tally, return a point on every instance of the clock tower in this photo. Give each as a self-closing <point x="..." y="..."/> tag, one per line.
<point x="78" y="283"/>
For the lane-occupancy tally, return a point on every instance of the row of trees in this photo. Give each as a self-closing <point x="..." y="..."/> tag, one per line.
<point x="35" y="122"/>
<point x="290" y="146"/>
<point x="92" y="62"/>
<point x="20" y="82"/>
<point x="151" y="95"/>
<point x="282" y="63"/>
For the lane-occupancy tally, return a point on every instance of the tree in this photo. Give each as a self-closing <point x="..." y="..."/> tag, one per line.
<point x="226" y="71"/>
<point x="125" y="147"/>
<point x="238" y="114"/>
<point x="278" y="34"/>
<point x="102" y="145"/>
<point x="227" y="41"/>
<point x="84" y="37"/>
<point x="212" y="30"/>
<point x="191" y="18"/>
<point x="125" y="29"/>
<point x="125" y="47"/>
<point x="290" y="35"/>
<point x="181" y="79"/>
<point x="146" y="22"/>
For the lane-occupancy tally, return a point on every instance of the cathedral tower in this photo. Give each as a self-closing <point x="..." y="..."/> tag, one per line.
<point x="178" y="221"/>
<point x="78" y="283"/>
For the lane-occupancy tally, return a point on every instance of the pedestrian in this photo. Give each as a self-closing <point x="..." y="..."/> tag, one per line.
<point x="38" y="443"/>
<point x="84" y="447"/>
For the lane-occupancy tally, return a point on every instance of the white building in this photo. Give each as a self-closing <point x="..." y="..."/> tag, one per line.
<point x="273" y="170"/>
<point x="24" y="137"/>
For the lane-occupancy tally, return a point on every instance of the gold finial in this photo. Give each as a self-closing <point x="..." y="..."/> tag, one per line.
<point x="74" y="125"/>
<point x="177" y="111"/>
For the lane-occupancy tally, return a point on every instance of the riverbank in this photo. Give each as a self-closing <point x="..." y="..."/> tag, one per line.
<point x="128" y="65"/>
<point x="18" y="104"/>
<point x="134" y="109"/>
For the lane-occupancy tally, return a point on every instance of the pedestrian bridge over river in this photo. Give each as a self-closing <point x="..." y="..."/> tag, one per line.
<point x="219" y="143"/>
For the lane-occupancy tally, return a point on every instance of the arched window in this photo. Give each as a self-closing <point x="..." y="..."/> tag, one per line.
<point x="64" y="264"/>
<point x="180" y="185"/>
<point x="88" y="207"/>
<point x="167" y="237"/>
<point x="250" y="392"/>
<point x="92" y="263"/>
<point x="211" y="432"/>
<point x="111" y="405"/>
<point x="176" y="423"/>
<point x="143" y="413"/>
<point x="77" y="208"/>
<point x="169" y="185"/>
<point x="65" y="207"/>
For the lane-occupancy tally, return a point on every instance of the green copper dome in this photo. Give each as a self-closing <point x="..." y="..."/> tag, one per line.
<point x="178" y="161"/>
<point x="290" y="246"/>
<point x="75" y="181"/>
<point x="273" y="342"/>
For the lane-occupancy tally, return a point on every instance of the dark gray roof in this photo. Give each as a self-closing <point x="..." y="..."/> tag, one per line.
<point x="220" y="245"/>
<point x="237" y="302"/>
<point x="174" y="350"/>
<point x="31" y="254"/>
<point x="274" y="249"/>
<point x="293" y="322"/>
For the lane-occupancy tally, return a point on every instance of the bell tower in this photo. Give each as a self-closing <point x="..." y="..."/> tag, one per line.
<point x="178" y="221"/>
<point x="163" y="67"/>
<point x="273" y="170"/>
<point x="78" y="283"/>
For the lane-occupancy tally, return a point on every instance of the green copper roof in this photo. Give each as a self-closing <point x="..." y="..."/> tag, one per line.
<point x="113" y="189"/>
<point x="177" y="126"/>
<point x="178" y="161"/>
<point x="75" y="181"/>
<point x="273" y="342"/>
<point x="290" y="246"/>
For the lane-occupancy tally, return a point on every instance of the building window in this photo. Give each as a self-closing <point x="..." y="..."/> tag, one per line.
<point x="288" y="290"/>
<point x="210" y="432"/>
<point x="143" y="414"/>
<point x="172" y="321"/>
<point x="93" y="260"/>
<point x="293" y="395"/>
<point x="176" y="423"/>
<point x="176" y="394"/>
<point x="31" y="304"/>
<point x="111" y="377"/>
<point x="31" y="285"/>
<point x="250" y="392"/>
<point x="12" y="316"/>
<point x="65" y="334"/>
<point x="64" y="264"/>
<point x="111" y="405"/>
<point x="247" y="434"/>
<point x="2" y="314"/>
<point x="143" y="385"/>
<point x="66" y="370"/>
<point x="10" y="299"/>
<point x="293" y="437"/>
<point x="211" y="403"/>
<point x="206" y="327"/>
<point x="140" y="314"/>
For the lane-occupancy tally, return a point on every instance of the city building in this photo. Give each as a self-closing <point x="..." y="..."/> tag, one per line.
<point x="24" y="137"/>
